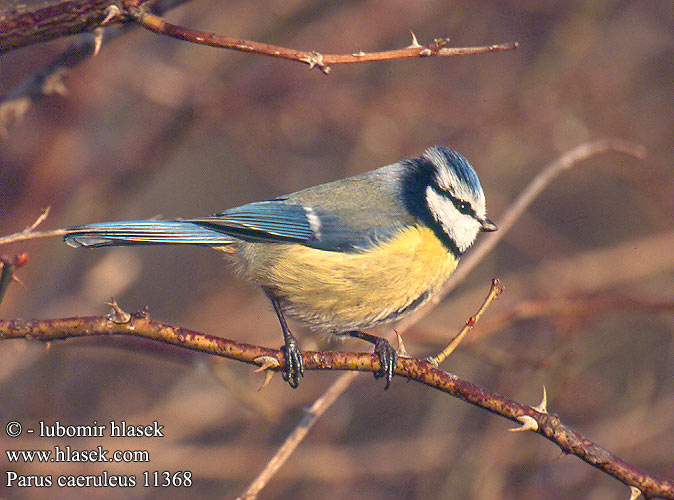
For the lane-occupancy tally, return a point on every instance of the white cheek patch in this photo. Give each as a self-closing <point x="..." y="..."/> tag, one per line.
<point x="314" y="222"/>
<point x="461" y="228"/>
<point x="449" y="181"/>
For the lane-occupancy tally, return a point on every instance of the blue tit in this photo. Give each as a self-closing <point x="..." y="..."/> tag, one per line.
<point x="339" y="257"/>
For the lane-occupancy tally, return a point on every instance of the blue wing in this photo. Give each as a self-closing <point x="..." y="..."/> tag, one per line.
<point x="282" y="220"/>
<point x="262" y="220"/>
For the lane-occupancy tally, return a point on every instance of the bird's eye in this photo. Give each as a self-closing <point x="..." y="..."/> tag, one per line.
<point x="464" y="207"/>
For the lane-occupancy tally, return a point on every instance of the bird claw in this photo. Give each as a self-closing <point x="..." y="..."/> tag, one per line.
<point x="293" y="368"/>
<point x="388" y="359"/>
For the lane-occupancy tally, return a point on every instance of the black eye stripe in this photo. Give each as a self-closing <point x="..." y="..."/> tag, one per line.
<point x="461" y="205"/>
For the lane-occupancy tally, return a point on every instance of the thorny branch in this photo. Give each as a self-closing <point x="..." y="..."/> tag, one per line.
<point x="331" y="394"/>
<point x="27" y="22"/>
<point x="49" y="79"/>
<point x="99" y="20"/>
<point x="548" y="425"/>
<point x="312" y="58"/>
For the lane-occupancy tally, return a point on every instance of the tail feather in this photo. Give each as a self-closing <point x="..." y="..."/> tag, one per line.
<point x="107" y="234"/>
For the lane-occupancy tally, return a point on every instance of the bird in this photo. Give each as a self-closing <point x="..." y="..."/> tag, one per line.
<point x="339" y="257"/>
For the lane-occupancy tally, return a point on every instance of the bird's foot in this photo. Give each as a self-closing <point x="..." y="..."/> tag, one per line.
<point x="293" y="369"/>
<point x="388" y="357"/>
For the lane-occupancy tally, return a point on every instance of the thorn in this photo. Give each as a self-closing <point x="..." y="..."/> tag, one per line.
<point x="98" y="40"/>
<point x="528" y="424"/>
<point x="16" y="278"/>
<point x="542" y="407"/>
<point x="118" y="315"/>
<point x="110" y="13"/>
<point x="54" y="84"/>
<point x="402" y="350"/>
<point x="47" y="347"/>
<point x="268" y="375"/>
<point x="11" y="111"/>
<point x="634" y="493"/>
<point x="267" y="363"/>
<point x="315" y="60"/>
<point x="415" y="43"/>
<point x="39" y="220"/>
<point x="360" y="53"/>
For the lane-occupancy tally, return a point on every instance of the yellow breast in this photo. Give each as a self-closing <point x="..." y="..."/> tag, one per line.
<point x="350" y="291"/>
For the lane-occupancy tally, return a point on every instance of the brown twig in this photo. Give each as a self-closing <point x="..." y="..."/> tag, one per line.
<point x="30" y="234"/>
<point x="312" y="58"/>
<point x="27" y="22"/>
<point x="495" y="290"/>
<point x="548" y="425"/>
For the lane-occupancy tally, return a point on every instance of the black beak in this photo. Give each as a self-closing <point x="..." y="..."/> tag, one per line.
<point x="488" y="226"/>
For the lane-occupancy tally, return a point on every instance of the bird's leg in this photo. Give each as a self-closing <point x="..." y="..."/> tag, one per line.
<point x="388" y="357"/>
<point x="293" y="371"/>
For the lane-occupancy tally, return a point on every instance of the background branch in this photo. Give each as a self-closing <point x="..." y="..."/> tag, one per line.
<point x="293" y="440"/>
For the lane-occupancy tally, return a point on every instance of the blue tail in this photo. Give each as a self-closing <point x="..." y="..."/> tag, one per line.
<point x="144" y="232"/>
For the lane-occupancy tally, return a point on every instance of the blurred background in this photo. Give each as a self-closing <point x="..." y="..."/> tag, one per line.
<point x="157" y="127"/>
